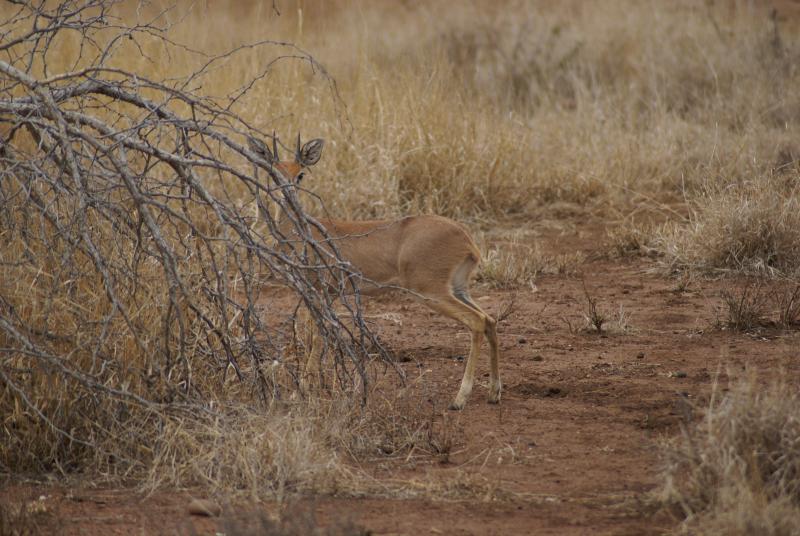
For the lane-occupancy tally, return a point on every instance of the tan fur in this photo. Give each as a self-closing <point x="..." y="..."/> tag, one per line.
<point x="433" y="257"/>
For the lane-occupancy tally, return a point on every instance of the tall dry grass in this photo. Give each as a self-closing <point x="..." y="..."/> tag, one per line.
<point x="751" y="228"/>
<point x="738" y="471"/>
<point x="477" y="110"/>
<point x="489" y="110"/>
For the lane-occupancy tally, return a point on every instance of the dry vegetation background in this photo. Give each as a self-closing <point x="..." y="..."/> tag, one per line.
<point x="675" y="126"/>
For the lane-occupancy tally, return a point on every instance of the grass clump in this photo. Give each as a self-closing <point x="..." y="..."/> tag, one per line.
<point x="738" y="470"/>
<point x="756" y="305"/>
<point x="752" y="228"/>
<point x="745" y="309"/>
<point x="517" y="261"/>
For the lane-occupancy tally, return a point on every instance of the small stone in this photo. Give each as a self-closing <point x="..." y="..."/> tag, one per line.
<point x="204" y="507"/>
<point x="522" y="340"/>
<point x="679" y="374"/>
<point x="537" y="357"/>
<point x="640" y="355"/>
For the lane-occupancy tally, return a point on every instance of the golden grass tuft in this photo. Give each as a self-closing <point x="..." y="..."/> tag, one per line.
<point x="516" y="260"/>
<point x="738" y="470"/>
<point x="753" y="228"/>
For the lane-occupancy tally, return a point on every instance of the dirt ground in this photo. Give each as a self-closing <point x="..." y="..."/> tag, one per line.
<point x="573" y="447"/>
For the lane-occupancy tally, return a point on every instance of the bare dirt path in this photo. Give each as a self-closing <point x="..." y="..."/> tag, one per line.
<point x="572" y="449"/>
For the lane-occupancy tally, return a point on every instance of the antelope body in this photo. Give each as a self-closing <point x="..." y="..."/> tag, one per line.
<point x="432" y="257"/>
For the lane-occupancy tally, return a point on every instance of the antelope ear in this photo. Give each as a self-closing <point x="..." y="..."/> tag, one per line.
<point x="311" y="152"/>
<point x="261" y="149"/>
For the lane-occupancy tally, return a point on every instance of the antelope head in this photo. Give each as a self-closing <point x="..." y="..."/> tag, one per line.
<point x="292" y="171"/>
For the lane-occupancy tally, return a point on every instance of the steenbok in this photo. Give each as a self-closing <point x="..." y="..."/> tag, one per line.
<point x="432" y="257"/>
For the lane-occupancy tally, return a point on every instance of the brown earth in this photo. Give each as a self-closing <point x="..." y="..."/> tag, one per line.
<point x="572" y="448"/>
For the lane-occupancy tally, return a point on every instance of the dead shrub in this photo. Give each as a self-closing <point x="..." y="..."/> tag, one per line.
<point x="738" y="470"/>
<point x="136" y="238"/>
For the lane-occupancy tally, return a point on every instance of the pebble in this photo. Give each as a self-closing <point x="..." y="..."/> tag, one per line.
<point x="640" y="355"/>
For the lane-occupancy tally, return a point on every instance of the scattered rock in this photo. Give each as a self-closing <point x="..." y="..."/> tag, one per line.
<point x="537" y="357"/>
<point x="522" y="340"/>
<point x="640" y="355"/>
<point x="678" y="374"/>
<point x="204" y="507"/>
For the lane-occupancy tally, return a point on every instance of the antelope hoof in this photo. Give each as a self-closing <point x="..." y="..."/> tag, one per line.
<point x="494" y="395"/>
<point x="456" y="406"/>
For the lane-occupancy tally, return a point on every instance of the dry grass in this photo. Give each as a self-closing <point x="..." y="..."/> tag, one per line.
<point x="27" y="518"/>
<point x="399" y="426"/>
<point x="516" y="261"/>
<point x="495" y="110"/>
<point x="745" y="309"/>
<point x="788" y="306"/>
<point x="758" y="305"/>
<point x="481" y="112"/>
<point x="738" y="470"/>
<point x="749" y="228"/>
